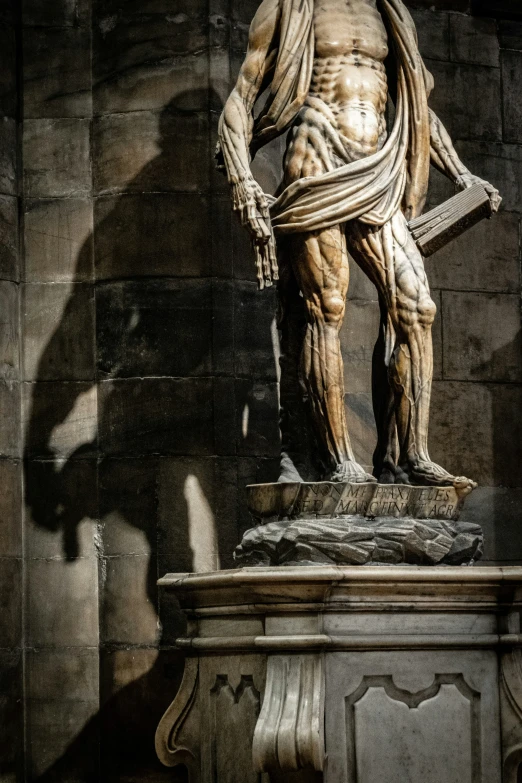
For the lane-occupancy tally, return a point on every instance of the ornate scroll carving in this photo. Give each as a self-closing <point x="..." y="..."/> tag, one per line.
<point x="290" y="731"/>
<point x="169" y="742"/>
<point x="511" y="679"/>
<point x="393" y="731"/>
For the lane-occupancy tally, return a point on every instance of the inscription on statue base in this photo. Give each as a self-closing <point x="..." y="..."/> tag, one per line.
<point x="328" y="499"/>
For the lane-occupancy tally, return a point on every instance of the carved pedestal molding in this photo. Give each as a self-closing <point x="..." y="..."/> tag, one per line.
<point x="348" y="675"/>
<point x="290" y="731"/>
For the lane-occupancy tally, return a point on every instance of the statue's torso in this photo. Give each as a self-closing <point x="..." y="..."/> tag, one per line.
<point x="351" y="44"/>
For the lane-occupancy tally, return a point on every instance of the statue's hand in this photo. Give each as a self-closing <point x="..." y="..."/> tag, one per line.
<point x="251" y="203"/>
<point x="468" y="179"/>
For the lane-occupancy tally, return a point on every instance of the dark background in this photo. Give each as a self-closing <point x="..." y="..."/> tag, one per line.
<point x="138" y="370"/>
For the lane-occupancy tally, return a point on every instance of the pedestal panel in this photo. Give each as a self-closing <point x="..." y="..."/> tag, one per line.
<point x="348" y="675"/>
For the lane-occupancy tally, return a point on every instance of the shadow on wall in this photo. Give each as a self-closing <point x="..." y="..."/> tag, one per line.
<point x="145" y="328"/>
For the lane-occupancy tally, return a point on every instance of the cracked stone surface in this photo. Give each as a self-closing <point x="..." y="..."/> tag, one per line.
<point x="357" y="541"/>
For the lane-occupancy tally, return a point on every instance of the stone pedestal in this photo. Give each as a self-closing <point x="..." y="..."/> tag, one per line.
<point x="359" y="524"/>
<point x="348" y="675"/>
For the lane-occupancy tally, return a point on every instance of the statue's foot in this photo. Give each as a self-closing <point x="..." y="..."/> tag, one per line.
<point x="429" y="474"/>
<point x="350" y="472"/>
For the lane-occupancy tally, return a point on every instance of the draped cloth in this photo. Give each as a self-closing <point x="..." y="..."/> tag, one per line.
<point x="372" y="189"/>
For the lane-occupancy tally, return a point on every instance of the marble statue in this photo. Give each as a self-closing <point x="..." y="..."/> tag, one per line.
<point x="335" y="71"/>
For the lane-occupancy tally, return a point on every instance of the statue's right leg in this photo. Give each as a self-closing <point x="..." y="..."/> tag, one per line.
<point x="320" y="264"/>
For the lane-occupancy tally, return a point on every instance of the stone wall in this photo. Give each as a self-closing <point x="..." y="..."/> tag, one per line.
<point x="149" y="359"/>
<point x="11" y="569"/>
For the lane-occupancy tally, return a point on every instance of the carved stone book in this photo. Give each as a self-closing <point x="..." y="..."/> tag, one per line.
<point x="451" y="219"/>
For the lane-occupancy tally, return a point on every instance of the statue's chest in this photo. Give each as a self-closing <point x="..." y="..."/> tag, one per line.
<point x="346" y="27"/>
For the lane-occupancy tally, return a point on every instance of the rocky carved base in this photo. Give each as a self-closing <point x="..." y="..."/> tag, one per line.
<point x="358" y="524"/>
<point x="356" y="541"/>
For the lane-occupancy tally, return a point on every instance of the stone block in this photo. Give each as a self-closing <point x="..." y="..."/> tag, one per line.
<point x="440" y="189"/>
<point x="8" y="66"/>
<point x="150" y="152"/>
<point x="500" y="164"/>
<point x="473" y="40"/>
<point x="128" y="496"/>
<point x="57" y="72"/>
<point x="197" y="512"/>
<point x="62" y="740"/>
<point x="11" y="508"/>
<point x="154" y="328"/>
<point x="475" y="431"/>
<point x="152" y="235"/>
<point x="61" y="510"/>
<point x="361" y="427"/>
<point x="56" y="13"/>
<point x="256" y="346"/>
<point x="9" y="247"/>
<point x="9" y="331"/>
<point x="462" y="6"/>
<point x="56" y="155"/>
<point x="58" y="240"/>
<point x="10" y="436"/>
<point x="482" y="337"/>
<point x="511" y="78"/>
<point x="137" y="686"/>
<point x="497" y="511"/>
<point x="485" y="258"/>
<point x="433" y="32"/>
<point x="131" y="76"/>
<point x="509" y="9"/>
<point x="467" y="100"/>
<point x="224" y="348"/>
<point x="358" y="337"/>
<point x="156" y="416"/>
<point x="256" y="428"/>
<point x="11" y="715"/>
<point x="510" y="34"/>
<point x="11" y="602"/>
<point x="8" y="157"/>
<point x="63" y="675"/>
<point x="7" y="11"/>
<point x="221" y="228"/>
<point x="58" y="332"/>
<point x="361" y="287"/>
<point x="129" y="581"/>
<point x="62" y="603"/>
<point x="224" y="396"/>
<point x="60" y="420"/>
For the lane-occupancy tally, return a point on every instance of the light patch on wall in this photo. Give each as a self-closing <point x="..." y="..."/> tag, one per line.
<point x="244" y="421"/>
<point x="79" y="428"/>
<point x="276" y="348"/>
<point x="202" y="527"/>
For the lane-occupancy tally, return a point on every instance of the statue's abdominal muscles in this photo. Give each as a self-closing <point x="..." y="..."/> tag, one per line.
<point x="349" y="89"/>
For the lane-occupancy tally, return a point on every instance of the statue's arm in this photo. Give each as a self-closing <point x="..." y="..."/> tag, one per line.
<point x="235" y="134"/>
<point x="444" y="157"/>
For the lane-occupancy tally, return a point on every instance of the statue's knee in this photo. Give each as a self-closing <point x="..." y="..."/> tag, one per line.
<point x="333" y="306"/>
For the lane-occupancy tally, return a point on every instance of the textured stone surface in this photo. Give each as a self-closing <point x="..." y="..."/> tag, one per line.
<point x="352" y="541"/>
<point x="328" y="499"/>
<point x="511" y="76"/>
<point x="56" y="158"/>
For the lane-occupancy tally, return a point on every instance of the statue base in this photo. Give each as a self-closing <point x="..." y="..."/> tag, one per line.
<point x="358" y="524"/>
<point x="334" y="674"/>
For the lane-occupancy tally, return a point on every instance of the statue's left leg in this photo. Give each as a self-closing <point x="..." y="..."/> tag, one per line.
<point x="391" y="259"/>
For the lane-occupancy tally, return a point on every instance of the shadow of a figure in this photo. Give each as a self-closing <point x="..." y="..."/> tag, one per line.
<point x="144" y="329"/>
